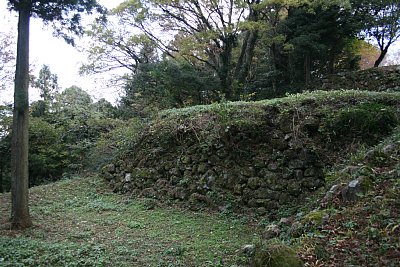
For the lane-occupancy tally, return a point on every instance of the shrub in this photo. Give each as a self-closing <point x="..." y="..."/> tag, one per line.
<point x="48" y="156"/>
<point x="113" y="143"/>
<point x="366" y="120"/>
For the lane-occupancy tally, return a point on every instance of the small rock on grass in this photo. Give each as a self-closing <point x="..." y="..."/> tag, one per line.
<point x="248" y="250"/>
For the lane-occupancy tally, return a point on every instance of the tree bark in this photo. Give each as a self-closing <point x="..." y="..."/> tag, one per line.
<point x="242" y="54"/>
<point x="274" y="66"/>
<point x="1" y="179"/>
<point x="307" y="69"/>
<point x="224" y="67"/>
<point x="381" y="57"/>
<point x="246" y="56"/>
<point x="20" y="217"/>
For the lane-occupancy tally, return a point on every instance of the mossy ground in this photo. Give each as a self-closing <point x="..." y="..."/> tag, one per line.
<point x="81" y="223"/>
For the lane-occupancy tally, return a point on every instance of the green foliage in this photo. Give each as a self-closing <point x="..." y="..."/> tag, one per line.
<point x="315" y="217"/>
<point x="113" y="143"/>
<point x="105" y="108"/>
<point x="47" y="83"/>
<point x="364" y="121"/>
<point x="278" y="47"/>
<point x="48" y="156"/>
<point x="167" y="84"/>
<point x="62" y="131"/>
<point x="203" y="36"/>
<point x="72" y="100"/>
<point x="318" y="40"/>
<point x="380" y="22"/>
<point x="5" y="145"/>
<point x="105" y="53"/>
<point x="66" y="18"/>
<point x="7" y="58"/>
<point x="28" y="252"/>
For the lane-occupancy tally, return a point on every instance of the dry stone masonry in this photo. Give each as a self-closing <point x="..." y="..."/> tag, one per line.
<point x="381" y="79"/>
<point x="261" y="163"/>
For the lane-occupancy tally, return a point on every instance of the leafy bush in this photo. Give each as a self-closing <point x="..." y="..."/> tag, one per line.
<point x="113" y="143"/>
<point x="167" y="84"/>
<point x="48" y="156"/>
<point x="365" y="120"/>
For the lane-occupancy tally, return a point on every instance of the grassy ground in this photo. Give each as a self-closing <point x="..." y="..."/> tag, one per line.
<point x="80" y="223"/>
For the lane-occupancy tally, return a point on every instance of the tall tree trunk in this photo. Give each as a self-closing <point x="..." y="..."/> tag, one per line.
<point x="1" y="178"/>
<point x="242" y="54"/>
<point x="381" y="57"/>
<point x="224" y="67"/>
<point x="20" y="217"/>
<point x="307" y="69"/>
<point x="331" y="61"/>
<point x="247" y="57"/>
<point x="274" y="66"/>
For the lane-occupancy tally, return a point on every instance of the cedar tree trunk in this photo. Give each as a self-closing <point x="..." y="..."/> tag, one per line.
<point x="19" y="147"/>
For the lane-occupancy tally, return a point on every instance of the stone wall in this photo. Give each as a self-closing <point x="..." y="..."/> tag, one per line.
<point x="261" y="177"/>
<point x="274" y="158"/>
<point x="380" y="79"/>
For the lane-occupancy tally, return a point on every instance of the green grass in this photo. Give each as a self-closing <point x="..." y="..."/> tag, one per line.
<point x="209" y="122"/>
<point x="81" y="223"/>
<point x="255" y="107"/>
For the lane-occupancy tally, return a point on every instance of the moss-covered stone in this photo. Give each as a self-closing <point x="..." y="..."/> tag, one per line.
<point x="315" y="217"/>
<point x="202" y="168"/>
<point x="255" y="183"/>
<point x="374" y="79"/>
<point x="275" y="255"/>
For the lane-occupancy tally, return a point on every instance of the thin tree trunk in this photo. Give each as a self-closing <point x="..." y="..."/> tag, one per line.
<point x="225" y="66"/>
<point x="242" y="54"/>
<point x="273" y="55"/>
<point x="1" y="178"/>
<point x="381" y="57"/>
<point x="307" y="69"/>
<point x="20" y="217"/>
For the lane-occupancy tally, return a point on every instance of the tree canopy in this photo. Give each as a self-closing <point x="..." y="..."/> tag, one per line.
<point x="262" y="47"/>
<point x="381" y="23"/>
<point x="7" y="58"/>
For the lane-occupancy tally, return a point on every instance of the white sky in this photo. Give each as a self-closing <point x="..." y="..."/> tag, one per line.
<point x="63" y="59"/>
